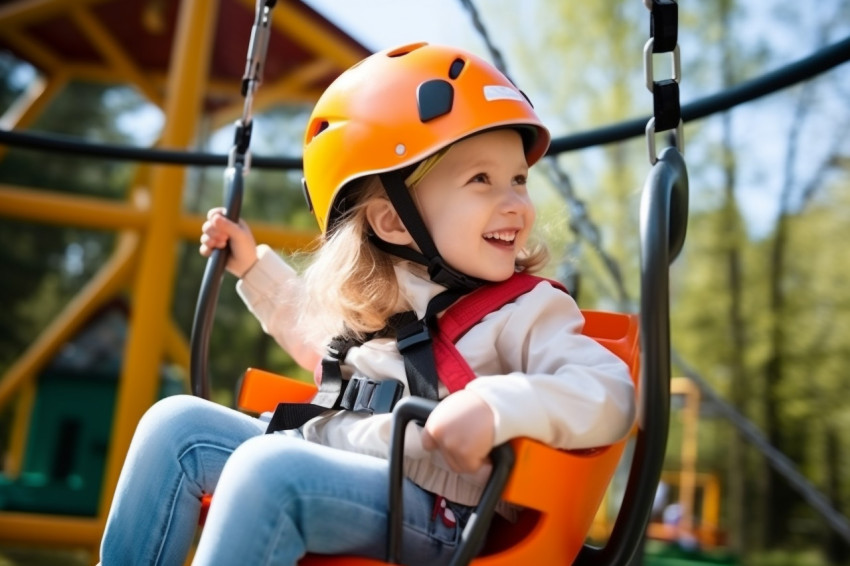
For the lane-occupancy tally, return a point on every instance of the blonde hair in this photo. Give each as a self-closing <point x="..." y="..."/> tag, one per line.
<point x="350" y="286"/>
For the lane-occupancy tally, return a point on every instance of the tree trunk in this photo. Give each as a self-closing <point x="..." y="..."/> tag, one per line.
<point x="837" y="549"/>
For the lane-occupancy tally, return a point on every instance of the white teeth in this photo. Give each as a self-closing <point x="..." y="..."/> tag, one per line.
<point x="505" y="236"/>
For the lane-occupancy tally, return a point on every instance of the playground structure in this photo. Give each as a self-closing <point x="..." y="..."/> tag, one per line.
<point x="177" y="54"/>
<point x="694" y="493"/>
<point x="151" y="220"/>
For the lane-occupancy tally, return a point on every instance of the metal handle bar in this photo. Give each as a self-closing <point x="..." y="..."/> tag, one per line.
<point x="210" y="286"/>
<point x="663" y="224"/>
<point x="238" y="164"/>
<point x="417" y="409"/>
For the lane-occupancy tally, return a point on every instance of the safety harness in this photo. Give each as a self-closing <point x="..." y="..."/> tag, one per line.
<point x="427" y="346"/>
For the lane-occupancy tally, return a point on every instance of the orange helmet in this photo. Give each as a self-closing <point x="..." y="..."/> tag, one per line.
<point x="399" y="106"/>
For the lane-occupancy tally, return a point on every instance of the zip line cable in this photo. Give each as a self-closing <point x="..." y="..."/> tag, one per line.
<point x="478" y="24"/>
<point x="819" y="62"/>
<point x="779" y="461"/>
<point x="585" y="228"/>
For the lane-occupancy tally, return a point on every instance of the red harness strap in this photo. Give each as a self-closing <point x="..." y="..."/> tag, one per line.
<point x="452" y="369"/>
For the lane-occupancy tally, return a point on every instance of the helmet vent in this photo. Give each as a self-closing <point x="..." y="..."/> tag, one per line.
<point x="317" y="128"/>
<point x="456" y="67"/>
<point x="405" y="49"/>
<point x="434" y="98"/>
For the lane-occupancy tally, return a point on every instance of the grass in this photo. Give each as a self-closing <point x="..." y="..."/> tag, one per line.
<point x="30" y="556"/>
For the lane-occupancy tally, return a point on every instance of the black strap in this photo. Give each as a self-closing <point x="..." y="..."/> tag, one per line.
<point x="439" y="271"/>
<point x="415" y="345"/>
<point x="288" y="416"/>
<point x="374" y="396"/>
<point x="364" y="395"/>
<point x="357" y="394"/>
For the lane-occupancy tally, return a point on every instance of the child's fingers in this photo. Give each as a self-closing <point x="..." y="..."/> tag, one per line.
<point x="213" y="235"/>
<point x="209" y="244"/>
<point x="460" y="460"/>
<point x="218" y="231"/>
<point x="217" y="211"/>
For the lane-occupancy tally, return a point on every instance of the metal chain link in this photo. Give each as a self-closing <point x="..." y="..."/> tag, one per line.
<point x="667" y="113"/>
<point x="251" y="80"/>
<point x="478" y="24"/>
<point x="580" y="222"/>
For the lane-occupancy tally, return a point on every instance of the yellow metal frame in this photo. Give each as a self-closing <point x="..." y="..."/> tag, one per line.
<point x="688" y="479"/>
<point x="150" y="223"/>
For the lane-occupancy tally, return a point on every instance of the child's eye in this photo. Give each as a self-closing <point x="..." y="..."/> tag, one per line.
<point x="520" y="180"/>
<point x="480" y="178"/>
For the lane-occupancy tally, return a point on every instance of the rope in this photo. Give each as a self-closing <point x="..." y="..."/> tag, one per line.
<point x="775" y="458"/>
<point x="75" y="146"/>
<point x="478" y="24"/>
<point x="580" y="222"/>
<point x="819" y="62"/>
<point x="804" y="69"/>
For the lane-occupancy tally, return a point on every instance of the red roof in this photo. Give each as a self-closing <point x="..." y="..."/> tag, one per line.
<point x="145" y="29"/>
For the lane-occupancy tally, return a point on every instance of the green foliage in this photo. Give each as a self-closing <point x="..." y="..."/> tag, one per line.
<point x="585" y="62"/>
<point x="46" y="265"/>
<point x="275" y="197"/>
<point x="786" y="558"/>
<point x="582" y="67"/>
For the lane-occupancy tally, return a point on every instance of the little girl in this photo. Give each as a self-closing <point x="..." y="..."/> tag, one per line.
<point x="415" y="165"/>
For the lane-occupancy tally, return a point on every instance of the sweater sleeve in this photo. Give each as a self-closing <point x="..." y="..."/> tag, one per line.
<point x="545" y="380"/>
<point x="270" y="290"/>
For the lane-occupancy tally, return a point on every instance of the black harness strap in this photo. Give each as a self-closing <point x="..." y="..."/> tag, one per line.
<point x="364" y="395"/>
<point x="357" y="394"/>
<point x="438" y="270"/>
<point x="415" y="345"/>
<point x="288" y="416"/>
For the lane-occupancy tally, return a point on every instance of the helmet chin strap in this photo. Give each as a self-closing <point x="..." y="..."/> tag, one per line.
<point x="439" y="271"/>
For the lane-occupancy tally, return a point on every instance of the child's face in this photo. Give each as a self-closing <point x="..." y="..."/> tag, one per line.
<point x="476" y="205"/>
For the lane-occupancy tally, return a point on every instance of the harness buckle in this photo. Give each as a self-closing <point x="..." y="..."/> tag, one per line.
<point x="364" y="395"/>
<point x="408" y="338"/>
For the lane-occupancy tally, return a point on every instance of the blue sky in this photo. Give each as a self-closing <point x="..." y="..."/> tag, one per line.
<point x="761" y="127"/>
<point x="379" y="24"/>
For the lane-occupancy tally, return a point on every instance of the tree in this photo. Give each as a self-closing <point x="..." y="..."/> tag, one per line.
<point x="45" y="266"/>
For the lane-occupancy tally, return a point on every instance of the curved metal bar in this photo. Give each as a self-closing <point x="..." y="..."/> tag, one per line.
<point x="210" y="286"/>
<point x="663" y="224"/>
<point x="820" y="61"/>
<point x="475" y="532"/>
<point x="502" y="456"/>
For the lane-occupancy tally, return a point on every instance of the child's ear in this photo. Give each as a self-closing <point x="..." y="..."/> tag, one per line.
<point x="386" y="223"/>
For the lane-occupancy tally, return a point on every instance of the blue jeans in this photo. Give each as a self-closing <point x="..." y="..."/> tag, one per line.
<point x="277" y="497"/>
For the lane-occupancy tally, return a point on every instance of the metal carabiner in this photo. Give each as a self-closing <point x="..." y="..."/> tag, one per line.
<point x="650" y="139"/>
<point x="648" y="69"/>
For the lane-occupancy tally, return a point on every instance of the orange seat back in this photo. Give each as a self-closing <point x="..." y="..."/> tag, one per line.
<point x="560" y="490"/>
<point x="261" y="391"/>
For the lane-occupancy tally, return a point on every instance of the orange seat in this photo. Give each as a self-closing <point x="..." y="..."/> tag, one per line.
<point x="560" y="490"/>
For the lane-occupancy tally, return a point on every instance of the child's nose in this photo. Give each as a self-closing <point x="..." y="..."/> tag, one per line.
<point x="513" y="200"/>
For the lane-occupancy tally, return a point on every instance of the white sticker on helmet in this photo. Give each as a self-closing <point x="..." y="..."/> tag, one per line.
<point x="500" y="92"/>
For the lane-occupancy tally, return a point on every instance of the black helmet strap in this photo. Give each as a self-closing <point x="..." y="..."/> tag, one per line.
<point x="439" y="271"/>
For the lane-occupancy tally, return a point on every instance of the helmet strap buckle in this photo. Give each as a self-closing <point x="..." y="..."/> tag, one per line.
<point x="449" y="277"/>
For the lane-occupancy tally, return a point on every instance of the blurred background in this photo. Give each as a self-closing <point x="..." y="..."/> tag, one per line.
<point x="100" y="271"/>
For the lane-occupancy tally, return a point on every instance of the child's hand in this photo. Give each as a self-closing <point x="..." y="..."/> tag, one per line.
<point x="462" y="429"/>
<point x="218" y="231"/>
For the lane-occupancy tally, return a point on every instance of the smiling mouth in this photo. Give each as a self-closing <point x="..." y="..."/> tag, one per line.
<point x="502" y="237"/>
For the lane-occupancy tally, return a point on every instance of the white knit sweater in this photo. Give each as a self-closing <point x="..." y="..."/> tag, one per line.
<point x="541" y="377"/>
